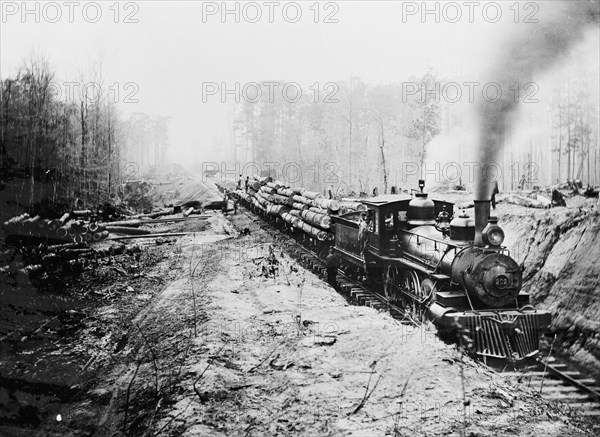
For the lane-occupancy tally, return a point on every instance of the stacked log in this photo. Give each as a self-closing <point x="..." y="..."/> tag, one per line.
<point x="530" y="202"/>
<point x="60" y="229"/>
<point x="277" y="209"/>
<point x="312" y="195"/>
<point x="59" y="258"/>
<point x="127" y="230"/>
<point x="285" y="192"/>
<point x="313" y="218"/>
<point x="303" y="209"/>
<point x="82" y="232"/>
<point x="347" y="205"/>
<point x="139" y="222"/>
<point x="300" y="206"/>
<point x="311" y="230"/>
<point x="331" y="204"/>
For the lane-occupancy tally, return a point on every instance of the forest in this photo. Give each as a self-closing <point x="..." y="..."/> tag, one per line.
<point x="370" y="136"/>
<point x="72" y="149"/>
<point x="79" y="150"/>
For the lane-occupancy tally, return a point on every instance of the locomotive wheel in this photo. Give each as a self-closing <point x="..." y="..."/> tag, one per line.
<point x="391" y="276"/>
<point x="411" y="283"/>
<point x="428" y="290"/>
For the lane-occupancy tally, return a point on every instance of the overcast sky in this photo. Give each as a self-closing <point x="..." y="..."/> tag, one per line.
<point x="168" y="49"/>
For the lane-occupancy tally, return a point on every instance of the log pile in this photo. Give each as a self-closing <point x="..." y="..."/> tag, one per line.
<point x="72" y="227"/>
<point x="305" y="210"/>
<point x="63" y="246"/>
<point x="533" y="200"/>
<point x="60" y="259"/>
<point x="63" y="229"/>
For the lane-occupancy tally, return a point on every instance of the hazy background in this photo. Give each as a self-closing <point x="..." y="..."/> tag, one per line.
<point x="170" y="52"/>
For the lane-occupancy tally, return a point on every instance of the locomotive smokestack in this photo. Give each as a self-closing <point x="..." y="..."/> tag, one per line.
<point x="482" y="214"/>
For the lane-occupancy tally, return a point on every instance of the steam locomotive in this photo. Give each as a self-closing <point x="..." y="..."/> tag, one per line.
<point x="451" y="268"/>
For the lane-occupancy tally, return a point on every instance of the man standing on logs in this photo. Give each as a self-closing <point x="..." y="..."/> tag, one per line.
<point x="332" y="262"/>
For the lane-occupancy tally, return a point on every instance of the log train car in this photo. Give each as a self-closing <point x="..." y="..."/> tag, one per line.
<point x="450" y="267"/>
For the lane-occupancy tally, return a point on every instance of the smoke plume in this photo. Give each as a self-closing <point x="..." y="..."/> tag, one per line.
<point x="534" y="50"/>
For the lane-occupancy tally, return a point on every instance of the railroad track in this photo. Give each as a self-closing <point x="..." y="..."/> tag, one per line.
<point x="560" y="382"/>
<point x="354" y="291"/>
<point x="556" y="382"/>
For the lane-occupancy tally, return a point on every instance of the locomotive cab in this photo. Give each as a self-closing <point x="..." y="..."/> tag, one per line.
<point x="388" y="216"/>
<point x="391" y="214"/>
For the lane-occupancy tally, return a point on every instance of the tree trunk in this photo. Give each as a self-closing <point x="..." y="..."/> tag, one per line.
<point x="383" y="163"/>
<point x="559" y="140"/>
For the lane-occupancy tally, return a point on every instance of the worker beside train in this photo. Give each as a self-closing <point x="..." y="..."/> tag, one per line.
<point x="332" y="262"/>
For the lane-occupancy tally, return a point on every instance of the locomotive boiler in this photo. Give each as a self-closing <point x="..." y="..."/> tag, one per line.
<point x="492" y="278"/>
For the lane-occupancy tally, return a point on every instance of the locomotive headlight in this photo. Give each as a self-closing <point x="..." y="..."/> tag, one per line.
<point x="493" y="234"/>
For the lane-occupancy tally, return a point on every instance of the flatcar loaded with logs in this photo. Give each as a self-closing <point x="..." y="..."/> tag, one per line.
<point x="435" y="263"/>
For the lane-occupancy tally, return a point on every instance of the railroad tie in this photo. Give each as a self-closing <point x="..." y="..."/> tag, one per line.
<point x="587" y="408"/>
<point x="369" y="302"/>
<point x="358" y="294"/>
<point x="376" y="304"/>
<point x="346" y="286"/>
<point x="565" y="396"/>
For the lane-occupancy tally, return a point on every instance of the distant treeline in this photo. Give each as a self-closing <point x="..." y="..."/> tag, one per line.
<point x="346" y="134"/>
<point x="75" y="149"/>
<point x="356" y="136"/>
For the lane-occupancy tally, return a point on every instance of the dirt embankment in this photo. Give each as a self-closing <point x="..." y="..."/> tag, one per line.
<point x="560" y="249"/>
